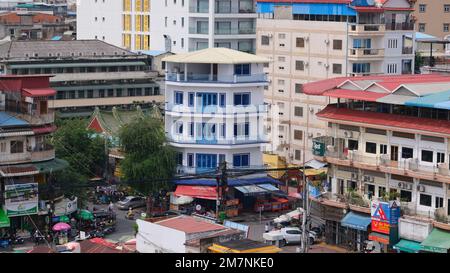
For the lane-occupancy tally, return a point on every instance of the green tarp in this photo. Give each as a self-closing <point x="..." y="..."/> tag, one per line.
<point x="51" y="165"/>
<point x="437" y="241"/>
<point x="4" y="220"/>
<point x="408" y="246"/>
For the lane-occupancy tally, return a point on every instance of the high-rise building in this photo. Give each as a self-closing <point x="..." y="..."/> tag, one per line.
<point x="189" y="25"/>
<point x="215" y="108"/>
<point x="312" y="40"/>
<point x="432" y="17"/>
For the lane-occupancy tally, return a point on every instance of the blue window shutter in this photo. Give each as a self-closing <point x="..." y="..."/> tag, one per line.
<point x="245" y="160"/>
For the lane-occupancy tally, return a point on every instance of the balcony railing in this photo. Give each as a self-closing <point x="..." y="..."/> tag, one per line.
<point x="43" y="153"/>
<point x="36" y="119"/>
<point x="215" y="141"/>
<point x="208" y="78"/>
<point x="15" y="158"/>
<point x="357" y="74"/>
<point x="199" y="9"/>
<point x="407" y="50"/>
<point x="400" y="26"/>
<point x="227" y="109"/>
<point x="235" y="31"/>
<point x="195" y="30"/>
<point x="366" y="52"/>
<point x="367" y="28"/>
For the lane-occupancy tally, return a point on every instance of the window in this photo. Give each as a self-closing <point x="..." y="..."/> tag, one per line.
<point x="16" y="147"/>
<point x="392" y="43"/>
<point x="281" y="59"/>
<point x="191" y="129"/>
<point x="298" y="134"/>
<point x="298" y="88"/>
<point x="179" y="158"/>
<point x="405" y="196"/>
<point x="446" y="8"/>
<point x="371" y="148"/>
<point x="300" y="42"/>
<point x="2" y="147"/>
<point x="298" y="111"/>
<point x="440" y="157"/>
<point x="281" y="36"/>
<point x="422" y="8"/>
<point x="242" y="99"/>
<point x="381" y="191"/>
<point x="223" y="130"/>
<point x="425" y="200"/>
<point x="241" y="129"/>
<point x="392" y="68"/>
<point x="337" y="44"/>
<point x="403" y="135"/>
<point x="297" y="155"/>
<point x="221" y="158"/>
<point x="191" y="97"/>
<point x="179" y="127"/>
<point x="445" y="27"/>
<point x="264" y="40"/>
<point x="337" y="68"/>
<point x="407" y="152"/>
<point x="383" y="149"/>
<point x="427" y="156"/>
<point x="241" y="160"/>
<point x="299" y="65"/>
<point x="421" y="27"/>
<point x="242" y="69"/>
<point x="222" y="102"/>
<point x="190" y="159"/>
<point x="280" y="82"/>
<point x="352" y="145"/>
<point x="178" y="97"/>
<point x="438" y="202"/>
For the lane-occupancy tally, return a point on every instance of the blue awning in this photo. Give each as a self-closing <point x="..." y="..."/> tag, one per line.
<point x="356" y="221"/>
<point x="232" y="182"/>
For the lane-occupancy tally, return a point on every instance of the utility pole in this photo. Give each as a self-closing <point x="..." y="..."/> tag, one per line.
<point x="222" y="184"/>
<point x="304" y="246"/>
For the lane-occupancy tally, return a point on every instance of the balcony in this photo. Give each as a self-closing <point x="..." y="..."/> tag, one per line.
<point x="366" y="52"/>
<point x="199" y="9"/>
<point x="43" y="153"/>
<point x="209" y="78"/>
<point x="200" y="31"/>
<point x="214" y="141"/>
<point x="230" y="110"/>
<point x="194" y="170"/>
<point x="358" y="74"/>
<point x="36" y="119"/>
<point x="383" y="163"/>
<point x="399" y="26"/>
<point x="235" y="31"/>
<point x="15" y="158"/>
<point x="367" y="29"/>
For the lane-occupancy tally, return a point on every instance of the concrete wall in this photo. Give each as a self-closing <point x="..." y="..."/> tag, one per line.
<point x="153" y="238"/>
<point x="413" y="230"/>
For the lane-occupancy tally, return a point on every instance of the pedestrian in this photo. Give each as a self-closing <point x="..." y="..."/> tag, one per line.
<point x="111" y="206"/>
<point x="267" y="227"/>
<point x="36" y="237"/>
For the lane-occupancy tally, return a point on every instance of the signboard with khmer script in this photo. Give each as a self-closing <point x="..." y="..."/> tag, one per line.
<point x="318" y="148"/>
<point x="21" y="199"/>
<point x="384" y="216"/>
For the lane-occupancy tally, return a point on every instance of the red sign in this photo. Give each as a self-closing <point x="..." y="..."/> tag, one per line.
<point x="380" y="239"/>
<point x="380" y="227"/>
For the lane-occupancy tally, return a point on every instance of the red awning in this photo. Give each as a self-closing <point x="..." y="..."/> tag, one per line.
<point x="354" y="94"/>
<point x="44" y="129"/>
<point x="45" y="92"/>
<point x="200" y="192"/>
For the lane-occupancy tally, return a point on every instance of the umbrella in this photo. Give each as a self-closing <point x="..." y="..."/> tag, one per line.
<point x="61" y="226"/>
<point x="86" y="215"/>
<point x="64" y="219"/>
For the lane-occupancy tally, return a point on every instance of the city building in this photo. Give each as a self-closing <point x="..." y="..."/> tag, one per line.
<point x="313" y="40"/>
<point x="32" y="26"/>
<point x="182" y="26"/>
<point x="388" y="137"/>
<point x="432" y="17"/>
<point x="215" y="108"/>
<point x="121" y="23"/>
<point x="27" y="157"/>
<point x="88" y="74"/>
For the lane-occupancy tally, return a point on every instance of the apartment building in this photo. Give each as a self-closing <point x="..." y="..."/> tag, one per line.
<point x="432" y="17"/>
<point x="312" y="40"/>
<point x="87" y="74"/>
<point x="189" y="25"/>
<point x="215" y="108"/>
<point x="27" y="157"/>
<point x="388" y="135"/>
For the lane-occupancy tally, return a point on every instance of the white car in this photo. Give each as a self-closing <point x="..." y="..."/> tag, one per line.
<point x="289" y="235"/>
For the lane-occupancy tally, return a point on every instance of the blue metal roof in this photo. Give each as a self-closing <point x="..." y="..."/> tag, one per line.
<point x="356" y="221"/>
<point x="232" y="182"/>
<point x="56" y="38"/>
<point x="8" y="120"/>
<point x="310" y="8"/>
<point x="439" y="100"/>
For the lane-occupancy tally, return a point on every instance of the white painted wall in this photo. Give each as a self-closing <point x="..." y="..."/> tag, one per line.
<point x="153" y="237"/>
<point x="414" y="230"/>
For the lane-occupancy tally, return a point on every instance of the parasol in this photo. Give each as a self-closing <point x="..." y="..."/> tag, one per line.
<point x="61" y="226"/>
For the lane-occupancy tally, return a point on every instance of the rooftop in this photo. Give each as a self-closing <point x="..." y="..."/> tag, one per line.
<point x="189" y="224"/>
<point x="87" y="48"/>
<point x="216" y="55"/>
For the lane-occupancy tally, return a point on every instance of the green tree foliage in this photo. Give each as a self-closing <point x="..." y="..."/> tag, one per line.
<point x="148" y="162"/>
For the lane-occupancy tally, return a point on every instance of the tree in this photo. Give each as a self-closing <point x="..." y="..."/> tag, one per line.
<point x="149" y="162"/>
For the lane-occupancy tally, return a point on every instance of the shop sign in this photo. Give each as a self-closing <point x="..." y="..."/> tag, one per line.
<point x="381" y="227"/>
<point x="374" y="237"/>
<point x="21" y="199"/>
<point x="318" y="148"/>
<point x="385" y="215"/>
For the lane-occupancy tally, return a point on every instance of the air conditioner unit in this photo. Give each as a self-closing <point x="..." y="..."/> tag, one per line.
<point x="327" y="41"/>
<point x="310" y="135"/>
<point x="354" y="176"/>
<point x="409" y="186"/>
<point x="311" y="110"/>
<point x="326" y="65"/>
<point x="306" y="64"/>
<point x="400" y="185"/>
<point x="421" y="188"/>
<point x="348" y="134"/>
<point x="270" y="35"/>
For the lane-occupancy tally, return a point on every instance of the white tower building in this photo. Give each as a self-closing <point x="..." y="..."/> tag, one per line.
<point x="215" y="108"/>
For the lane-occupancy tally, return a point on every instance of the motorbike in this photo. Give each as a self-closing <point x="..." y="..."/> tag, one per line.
<point x="129" y="216"/>
<point x="17" y="241"/>
<point x="39" y="239"/>
<point x="109" y="230"/>
<point x="97" y="234"/>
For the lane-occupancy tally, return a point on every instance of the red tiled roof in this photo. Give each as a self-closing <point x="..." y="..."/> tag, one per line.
<point x="354" y="94"/>
<point x="97" y="245"/>
<point x="390" y="120"/>
<point x="189" y="224"/>
<point x="95" y="125"/>
<point x="45" y="92"/>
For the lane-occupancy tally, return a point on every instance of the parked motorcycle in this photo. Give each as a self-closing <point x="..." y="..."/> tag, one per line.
<point x="17" y="241"/>
<point x="97" y="234"/>
<point x="109" y="230"/>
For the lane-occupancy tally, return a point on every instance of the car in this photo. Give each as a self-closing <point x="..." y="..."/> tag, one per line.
<point x="290" y="235"/>
<point x="131" y="202"/>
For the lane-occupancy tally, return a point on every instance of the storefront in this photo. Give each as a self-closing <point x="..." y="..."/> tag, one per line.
<point x="356" y="230"/>
<point x="438" y="241"/>
<point x="385" y="224"/>
<point x="408" y="246"/>
<point x="331" y="217"/>
<point x="4" y="223"/>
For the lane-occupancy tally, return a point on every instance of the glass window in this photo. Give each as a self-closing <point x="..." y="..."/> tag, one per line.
<point x="352" y="145"/>
<point x="298" y="134"/>
<point x="179" y="128"/>
<point x="440" y="157"/>
<point x="191" y="97"/>
<point x="241" y="129"/>
<point x="425" y="200"/>
<point x="337" y="44"/>
<point x="427" y="156"/>
<point x="241" y="160"/>
<point x="298" y="88"/>
<point x="438" y="202"/>
<point x="242" y="69"/>
<point x="222" y="102"/>
<point x="300" y="42"/>
<point x="371" y="148"/>
<point x="16" y="147"/>
<point x="298" y="111"/>
<point x="178" y="97"/>
<point x="407" y="152"/>
<point x="265" y="40"/>
<point x="242" y="99"/>
<point x="299" y="65"/>
<point x="337" y="68"/>
<point x="179" y="158"/>
<point x="405" y="196"/>
<point x="191" y="129"/>
<point x="190" y="158"/>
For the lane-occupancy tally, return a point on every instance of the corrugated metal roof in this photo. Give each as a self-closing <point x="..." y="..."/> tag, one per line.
<point x="431" y="101"/>
<point x="9" y="120"/>
<point x="354" y="94"/>
<point x="395" y="99"/>
<point x="216" y="55"/>
<point x="189" y="224"/>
